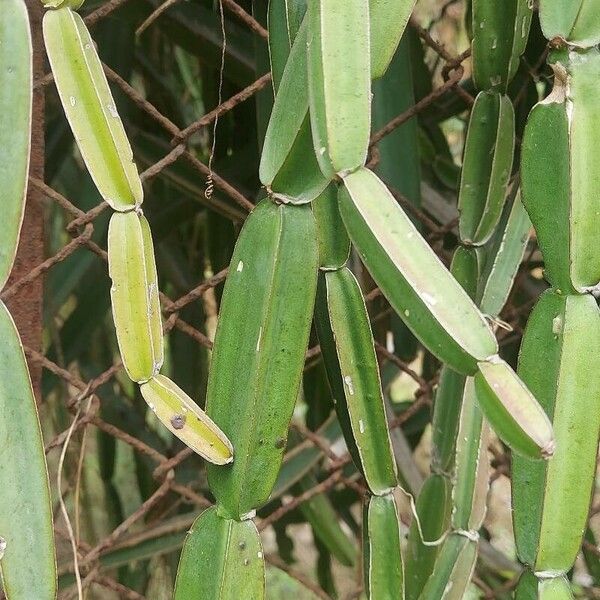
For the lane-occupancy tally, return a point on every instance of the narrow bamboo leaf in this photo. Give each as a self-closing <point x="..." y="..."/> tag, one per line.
<point x="388" y="19"/>
<point x="258" y="356"/>
<point x="433" y="507"/>
<point x="186" y="420"/>
<point x="471" y="475"/>
<point x="27" y="561"/>
<point x="222" y="559"/>
<point x="334" y="243"/>
<point x="500" y="32"/>
<point x="284" y="20"/>
<point x="383" y="569"/>
<point x="339" y="83"/>
<point x="592" y="560"/>
<point x="132" y="295"/>
<point x="453" y="570"/>
<point x="414" y="280"/>
<point x="513" y="411"/>
<point x="502" y="256"/>
<point x="487" y="166"/>
<point x="577" y="21"/>
<point x="322" y="516"/>
<point x="561" y="158"/>
<point x="532" y="588"/>
<point x="301" y="459"/>
<point x="15" y="126"/>
<point x="559" y="363"/>
<point x="348" y="325"/>
<point x="90" y="109"/>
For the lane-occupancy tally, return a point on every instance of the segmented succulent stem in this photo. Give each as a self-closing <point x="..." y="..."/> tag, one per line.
<point x="98" y="130"/>
<point x="559" y="352"/>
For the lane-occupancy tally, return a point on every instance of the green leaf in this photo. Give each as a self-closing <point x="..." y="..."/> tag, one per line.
<point x="27" y="561"/>
<point x="339" y="83"/>
<point x="419" y="287"/>
<point x="15" y="126"/>
<point x="487" y="167"/>
<point x="185" y="419"/>
<point x="433" y="507"/>
<point x="560" y="163"/>
<point x="502" y="256"/>
<point x="500" y="32"/>
<point x="558" y="362"/>
<point x="388" y="19"/>
<point x="453" y="570"/>
<point x="513" y="411"/>
<point x="134" y="294"/>
<point x="258" y="355"/>
<point x="346" y="338"/>
<point x="90" y="109"/>
<point x="383" y="569"/>
<point x="222" y="559"/>
<point x="320" y="513"/>
<point x="577" y="21"/>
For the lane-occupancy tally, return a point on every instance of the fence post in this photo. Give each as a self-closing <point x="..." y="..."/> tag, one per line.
<point x="26" y="305"/>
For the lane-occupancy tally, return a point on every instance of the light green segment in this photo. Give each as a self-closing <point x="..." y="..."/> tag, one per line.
<point x="447" y="405"/>
<point x="583" y="110"/>
<point x="546" y="186"/>
<point x="410" y="275"/>
<point x="130" y="297"/>
<point x="502" y="256"/>
<point x="15" y="125"/>
<point x="453" y="570"/>
<point x="500" y="32"/>
<point x="289" y="111"/>
<point x="433" y="507"/>
<point x="577" y="425"/>
<point x="577" y="21"/>
<point x="284" y="20"/>
<point x="559" y="362"/>
<point x="471" y="477"/>
<point x="561" y="173"/>
<point x="349" y="322"/>
<point x="339" y="83"/>
<point x="259" y="349"/>
<point x="153" y="293"/>
<point x="383" y="568"/>
<point x="186" y="420"/>
<point x="222" y="559"/>
<point x="532" y="588"/>
<point x="28" y="564"/>
<point x="334" y="243"/>
<point x="388" y="19"/>
<point x="513" y="411"/>
<point x="90" y="109"/>
<point x="487" y="167"/>
<point x="288" y="166"/>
